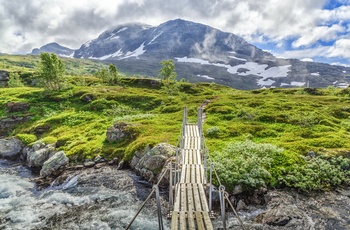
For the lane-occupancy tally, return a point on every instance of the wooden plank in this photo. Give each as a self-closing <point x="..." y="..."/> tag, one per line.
<point x="186" y="156"/>
<point x="183" y="174"/>
<point x="203" y="198"/>
<point x="203" y="175"/>
<point x="198" y="174"/>
<point x="177" y="198"/>
<point x="207" y="222"/>
<point x="193" y="174"/>
<point x="196" y="134"/>
<point x="183" y="224"/>
<point x="188" y="173"/>
<point x="183" y="197"/>
<point x="199" y="159"/>
<point x="197" y="200"/>
<point x="200" y="224"/>
<point x="175" y="220"/>
<point x="190" y="197"/>
<point x="190" y="219"/>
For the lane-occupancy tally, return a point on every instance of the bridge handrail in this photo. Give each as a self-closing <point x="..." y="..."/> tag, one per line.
<point x="222" y="193"/>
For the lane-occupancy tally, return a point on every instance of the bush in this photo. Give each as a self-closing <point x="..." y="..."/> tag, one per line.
<point x="318" y="173"/>
<point x="245" y="163"/>
<point x="14" y="80"/>
<point x="213" y="131"/>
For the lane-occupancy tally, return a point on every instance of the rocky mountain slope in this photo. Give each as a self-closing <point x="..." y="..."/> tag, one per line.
<point x="203" y="53"/>
<point x="55" y="48"/>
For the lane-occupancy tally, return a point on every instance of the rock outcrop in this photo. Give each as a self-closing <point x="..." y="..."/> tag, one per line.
<point x="8" y="123"/>
<point x="4" y="77"/>
<point x="17" y="106"/>
<point x="58" y="160"/>
<point x="39" y="154"/>
<point x="149" y="164"/>
<point x="10" y="147"/>
<point x="120" y="131"/>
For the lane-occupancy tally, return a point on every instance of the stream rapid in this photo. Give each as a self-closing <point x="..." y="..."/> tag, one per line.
<point x="89" y="199"/>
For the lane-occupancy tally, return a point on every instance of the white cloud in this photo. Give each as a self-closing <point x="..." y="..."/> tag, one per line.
<point x="341" y="48"/>
<point x="322" y="33"/>
<point x="27" y="24"/>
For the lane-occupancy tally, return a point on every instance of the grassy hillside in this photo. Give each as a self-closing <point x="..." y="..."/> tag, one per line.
<point x="269" y="137"/>
<point x="28" y="63"/>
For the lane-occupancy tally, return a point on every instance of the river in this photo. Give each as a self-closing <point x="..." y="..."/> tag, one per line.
<point x="89" y="199"/>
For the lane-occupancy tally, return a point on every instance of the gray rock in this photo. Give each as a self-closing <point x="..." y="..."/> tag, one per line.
<point x="237" y="190"/>
<point x="121" y="165"/>
<point x="119" y="131"/>
<point x="137" y="156"/>
<point x="150" y="165"/>
<point x="88" y="97"/>
<point x="7" y="124"/>
<point x="283" y="215"/>
<point x="10" y="147"/>
<point x="98" y="159"/>
<point x="17" y="106"/>
<point x="241" y="206"/>
<point x="38" y="145"/>
<point x="4" y="77"/>
<point x="55" y="162"/>
<point x="89" y="164"/>
<point x="38" y="157"/>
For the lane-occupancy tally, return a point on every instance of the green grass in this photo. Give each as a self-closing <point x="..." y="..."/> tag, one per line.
<point x="28" y="63"/>
<point x="295" y="120"/>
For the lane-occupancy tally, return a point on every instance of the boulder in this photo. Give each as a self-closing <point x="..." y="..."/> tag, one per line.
<point x="88" y="97"/>
<point x="10" y="147"/>
<point x="55" y="162"/>
<point x="7" y="124"/>
<point x="37" y="158"/>
<point x="17" y="106"/>
<point x="4" y="77"/>
<point x="283" y="215"/>
<point x="120" y="131"/>
<point x="150" y="165"/>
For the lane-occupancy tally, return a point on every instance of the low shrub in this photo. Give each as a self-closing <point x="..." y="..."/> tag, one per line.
<point x="212" y="131"/>
<point x="245" y="163"/>
<point x="318" y="173"/>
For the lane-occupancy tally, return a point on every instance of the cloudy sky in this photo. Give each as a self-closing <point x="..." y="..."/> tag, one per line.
<point x="317" y="30"/>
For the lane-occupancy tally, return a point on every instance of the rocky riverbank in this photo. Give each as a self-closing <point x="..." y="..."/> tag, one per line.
<point x="262" y="209"/>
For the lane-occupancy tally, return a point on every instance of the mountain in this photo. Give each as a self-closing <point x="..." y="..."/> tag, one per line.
<point x="203" y="53"/>
<point x="54" y="48"/>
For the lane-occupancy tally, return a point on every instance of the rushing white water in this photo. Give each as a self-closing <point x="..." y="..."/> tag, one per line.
<point x="88" y="200"/>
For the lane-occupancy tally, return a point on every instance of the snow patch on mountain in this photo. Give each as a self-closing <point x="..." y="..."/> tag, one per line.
<point x="140" y="50"/>
<point x="265" y="82"/>
<point x="116" y="54"/>
<point x="253" y="68"/>
<point x="122" y="29"/>
<point x="297" y="83"/>
<point x="206" y="77"/>
<point x="154" y="38"/>
<point x="87" y="44"/>
<point x="239" y="59"/>
<point x="315" y="74"/>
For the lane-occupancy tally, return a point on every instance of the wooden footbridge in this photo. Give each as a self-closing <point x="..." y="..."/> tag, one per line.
<point x="190" y="206"/>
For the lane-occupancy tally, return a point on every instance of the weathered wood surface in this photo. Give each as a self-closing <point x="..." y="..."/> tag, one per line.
<point x="191" y="207"/>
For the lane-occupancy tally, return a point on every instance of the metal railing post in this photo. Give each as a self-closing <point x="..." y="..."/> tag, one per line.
<point x="210" y="186"/>
<point x="184" y="121"/>
<point x="171" y="201"/>
<point x="176" y="165"/>
<point x="159" y="209"/>
<point x="222" y="206"/>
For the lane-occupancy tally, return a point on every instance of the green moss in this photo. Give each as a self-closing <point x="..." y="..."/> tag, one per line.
<point x="27" y="139"/>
